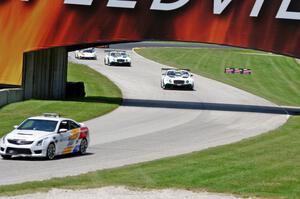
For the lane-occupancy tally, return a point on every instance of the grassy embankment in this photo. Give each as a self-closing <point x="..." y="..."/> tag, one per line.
<point x="102" y="97"/>
<point x="264" y="166"/>
<point x="276" y="78"/>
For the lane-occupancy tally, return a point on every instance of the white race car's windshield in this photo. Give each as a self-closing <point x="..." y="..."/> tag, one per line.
<point x="88" y="51"/>
<point x="122" y="54"/>
<point x="171" y="73"/>
<point x="38" y="125"/>
<point x="185" y="74"/>
<point x="178" y="74"/>
<point x="115" y="54"/>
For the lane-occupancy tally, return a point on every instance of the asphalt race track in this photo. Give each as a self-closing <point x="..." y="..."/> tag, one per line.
<point x="155" y="123"/>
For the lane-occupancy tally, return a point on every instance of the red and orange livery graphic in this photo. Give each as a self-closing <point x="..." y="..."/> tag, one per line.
<point x="269" y="25"/>
<point x="76" y="135"/>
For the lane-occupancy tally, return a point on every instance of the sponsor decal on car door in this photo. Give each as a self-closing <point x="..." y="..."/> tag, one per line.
<point x="63" y="138"/>
<point x="72" y="140"/>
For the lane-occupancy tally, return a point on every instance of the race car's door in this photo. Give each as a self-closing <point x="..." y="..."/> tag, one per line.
<point x="74" y="137"/>
<point x="63" y="137"/>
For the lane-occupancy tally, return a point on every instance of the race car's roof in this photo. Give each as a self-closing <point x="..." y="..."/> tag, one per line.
<point x="91" y="50"/>
<point x="115" y="51"/>
<point x="174" y="69"/>
<point x="49" y="116"/>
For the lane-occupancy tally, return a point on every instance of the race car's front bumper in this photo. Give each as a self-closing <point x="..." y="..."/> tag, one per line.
<point x="22" y="150"/>
<point x="172" y="85"/>
<point x="121" y="62"/>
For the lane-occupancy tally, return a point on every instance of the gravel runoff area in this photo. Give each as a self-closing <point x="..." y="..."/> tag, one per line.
<point x="122" y="193"/>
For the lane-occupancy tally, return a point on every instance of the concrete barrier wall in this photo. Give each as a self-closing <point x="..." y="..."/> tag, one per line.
<point x="45" y="73"/>
<point x="12" y="95"/>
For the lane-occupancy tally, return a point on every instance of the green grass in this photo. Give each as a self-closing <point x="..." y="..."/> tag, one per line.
<point x="102" y="97"/>
<point x="264" y="166"/>
<point x="276" y="78"/>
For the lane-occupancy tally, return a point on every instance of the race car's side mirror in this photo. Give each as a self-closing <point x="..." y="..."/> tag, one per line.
<point x="62" y="130"/>
<point x="16" y="126"/>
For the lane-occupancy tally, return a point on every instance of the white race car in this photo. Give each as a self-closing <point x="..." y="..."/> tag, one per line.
<point x="45" y="136"/>
<point x="117" y="58"/>
<point x="88" y="53"/>
<point x="176" y="78"/>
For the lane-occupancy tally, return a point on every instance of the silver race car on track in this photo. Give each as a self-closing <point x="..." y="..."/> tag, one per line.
<point x="117" y="58"/>
<point x="45" y="136"/>
<point x="176" y="78"/>
<point x="88" y="53"/>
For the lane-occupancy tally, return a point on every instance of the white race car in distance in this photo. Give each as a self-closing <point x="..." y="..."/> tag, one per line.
<point x="177" y="78"/>
<point x="45" y="136"/>
<point x="88" y="53"/>
<point x="117" y="58"/>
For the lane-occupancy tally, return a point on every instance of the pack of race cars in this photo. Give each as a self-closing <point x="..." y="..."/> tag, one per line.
<point x="171" y="78"/>
<point x="112" y="57"/>
<point x="51" y="135"/>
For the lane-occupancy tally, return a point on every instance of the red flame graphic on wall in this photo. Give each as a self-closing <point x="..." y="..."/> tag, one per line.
<point x="37" y="24"/>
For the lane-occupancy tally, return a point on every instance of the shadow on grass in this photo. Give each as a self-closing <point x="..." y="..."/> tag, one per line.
<point x="91" y="99"/>
<point x="97" y="99"/>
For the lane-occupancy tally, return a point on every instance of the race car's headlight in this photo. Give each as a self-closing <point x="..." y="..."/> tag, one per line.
<point x="187" y="81"/>
<point x="40" y="143"/>
<point x="170" y="81"/>
<point x="3" y="139"/>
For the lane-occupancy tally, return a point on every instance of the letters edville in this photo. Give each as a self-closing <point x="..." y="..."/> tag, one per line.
<point x="269" y="25"/>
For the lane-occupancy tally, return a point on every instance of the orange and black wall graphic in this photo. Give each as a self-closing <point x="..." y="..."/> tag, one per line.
<point x="27" y="25"/>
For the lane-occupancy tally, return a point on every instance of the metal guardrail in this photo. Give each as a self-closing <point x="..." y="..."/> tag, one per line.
<point x="8" y="96"/>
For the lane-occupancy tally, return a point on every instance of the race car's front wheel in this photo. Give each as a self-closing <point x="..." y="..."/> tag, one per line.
<point x="50" y="151"/>
<point x="6" y="157"/>
<point x="83" y="146"/>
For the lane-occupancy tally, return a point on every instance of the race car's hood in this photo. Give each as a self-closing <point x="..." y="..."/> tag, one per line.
<point x="179" y="78"/>
<point x="122" y="57"/>
<point x="28" y="135"/>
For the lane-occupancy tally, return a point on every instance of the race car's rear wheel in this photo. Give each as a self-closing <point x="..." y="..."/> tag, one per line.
<point x="50" y="151"/>
<point x="6" y="157"/>
<point x="83" y="146"/>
